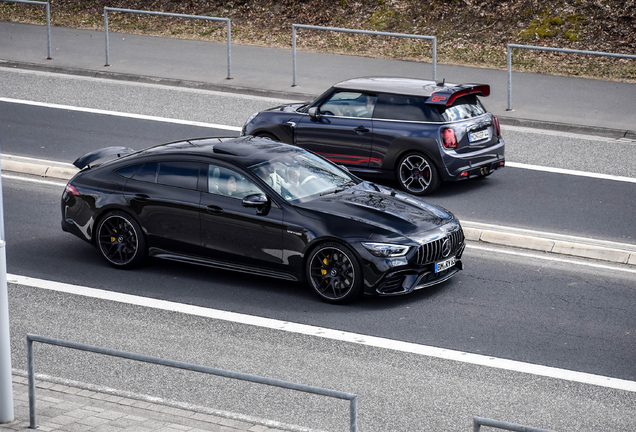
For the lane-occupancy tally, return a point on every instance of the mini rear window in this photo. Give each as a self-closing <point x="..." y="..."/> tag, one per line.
<point x="465" y="107"/>
<point x="407" y="108"/>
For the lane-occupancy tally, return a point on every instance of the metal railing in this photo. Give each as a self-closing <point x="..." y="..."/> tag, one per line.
<point x="563" y="50"/>
<point x="367" y="32"/>
<point x="48" y="21"/>
<point x="352" y="398"/>
<point x="201" y="17"/>
<point x="480" y="421"/>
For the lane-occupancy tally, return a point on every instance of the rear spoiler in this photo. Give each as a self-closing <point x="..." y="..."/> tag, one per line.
<point x="83" y="161"/>
<point x="447" y="95"/>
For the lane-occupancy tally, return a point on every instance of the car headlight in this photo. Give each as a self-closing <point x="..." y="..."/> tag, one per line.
<point x="386" y="250"/>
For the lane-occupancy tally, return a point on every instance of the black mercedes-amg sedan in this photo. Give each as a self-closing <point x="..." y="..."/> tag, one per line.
<point x="255" y="205"/>
<point x="416" y="132"/>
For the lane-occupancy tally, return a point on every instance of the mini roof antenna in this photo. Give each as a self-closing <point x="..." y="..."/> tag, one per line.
<point x="441" y="84"/>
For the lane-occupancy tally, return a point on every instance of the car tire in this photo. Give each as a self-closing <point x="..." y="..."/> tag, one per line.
<point x="417" y="174"/>
<point x="120" y="240"/>
<point x="267" y="135"/>
<point x="334" y="273"/>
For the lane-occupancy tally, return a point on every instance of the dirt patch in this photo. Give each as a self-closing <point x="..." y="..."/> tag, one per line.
<point x="469" y="32"/>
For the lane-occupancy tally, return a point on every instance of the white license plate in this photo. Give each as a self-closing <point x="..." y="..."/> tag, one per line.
<point x="444" y="265"/>
<point x="478" y="136"/>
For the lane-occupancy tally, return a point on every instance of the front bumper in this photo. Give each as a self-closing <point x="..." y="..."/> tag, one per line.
<point x="407" y="281"/>
<point x="408" y="278"/>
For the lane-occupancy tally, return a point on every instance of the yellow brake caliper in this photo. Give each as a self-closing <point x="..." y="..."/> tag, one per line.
<point x="323" y="271"/>
<point x="113" y="239"/>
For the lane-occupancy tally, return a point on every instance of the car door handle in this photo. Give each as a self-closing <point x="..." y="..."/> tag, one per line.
<point x="214" y="209"/>
<point x="361" y="129"/>
<point x="141" y="197"/>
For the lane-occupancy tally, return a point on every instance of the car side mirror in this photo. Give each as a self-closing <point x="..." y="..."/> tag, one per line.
<point x="258" y="201"/>
<point x="314" y="113"/>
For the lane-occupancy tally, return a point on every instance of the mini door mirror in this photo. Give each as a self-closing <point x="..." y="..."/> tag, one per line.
<point x="313" y="113"/>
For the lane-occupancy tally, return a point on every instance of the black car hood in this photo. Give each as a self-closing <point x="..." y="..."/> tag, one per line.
<point x="384" y="208"/>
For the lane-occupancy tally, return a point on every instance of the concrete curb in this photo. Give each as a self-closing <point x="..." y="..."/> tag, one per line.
<point x="619" y="253"/>
<point x="624" y="254"/>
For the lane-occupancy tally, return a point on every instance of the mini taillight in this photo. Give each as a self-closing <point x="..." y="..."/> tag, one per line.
<point x="70" y="189"/>
<point x="497" y="127"/>
<point x="450" y="141"/>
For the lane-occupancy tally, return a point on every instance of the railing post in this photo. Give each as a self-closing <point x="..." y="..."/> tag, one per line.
<point x="434" y="58"/>
<point x="229" y="49"/>
<point x="6" y="388"/>
<point x="367" y="32"/>
<point x="353" y="408"/>
<point x="509" y="78"/>
<point x="106" y="31"/>
<point x="294" y="54"/>
<point x="30" y="368"/>
<point x="476" y="425"/>
<point x="48" y="31"/>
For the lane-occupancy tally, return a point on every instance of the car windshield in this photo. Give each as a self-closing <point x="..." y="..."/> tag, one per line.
<point x="302" y="174"/>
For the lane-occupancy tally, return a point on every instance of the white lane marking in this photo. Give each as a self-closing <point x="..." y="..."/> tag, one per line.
<point x="36" y="160"/>
<point x="407" y="347"/>
<point x="34" y="180"/>
<point x="121" y="114"/>
<point x="550" y="257"/>
<point x="571" y="172"/>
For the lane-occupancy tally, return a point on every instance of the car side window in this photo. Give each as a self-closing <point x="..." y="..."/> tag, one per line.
<point x="226" y="182"/>
<point x="147" y="173"/>
<point x="406" y="108"/>
<point x="184" y="175"/>
<point x="128" y="171"/>
<point x="349" y="104"/>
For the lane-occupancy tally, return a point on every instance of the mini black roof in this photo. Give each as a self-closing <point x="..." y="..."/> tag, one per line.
<point x="406" y="86"/>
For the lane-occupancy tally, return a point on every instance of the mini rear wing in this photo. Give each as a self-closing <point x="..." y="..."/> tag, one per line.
<point x="447" y="95"/>
<point x="83" y="161"/>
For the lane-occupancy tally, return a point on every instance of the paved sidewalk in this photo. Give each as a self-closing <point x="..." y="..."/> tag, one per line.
<point x="73" y="407"/>
<point x="539" y="100"/>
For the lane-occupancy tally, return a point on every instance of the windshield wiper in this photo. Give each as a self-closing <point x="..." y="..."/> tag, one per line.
<point x="340" y="188"/>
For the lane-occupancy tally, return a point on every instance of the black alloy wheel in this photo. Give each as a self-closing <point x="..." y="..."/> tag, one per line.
<point x="334" y="273"/>
<point x="417" y="174"/>
<point x="120" y="240"/>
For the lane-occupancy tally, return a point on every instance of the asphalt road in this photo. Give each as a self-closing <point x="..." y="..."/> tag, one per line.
<point x="548" y="313"/>
<point x="565" y="204"/>
<point x="560" y="313"/>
